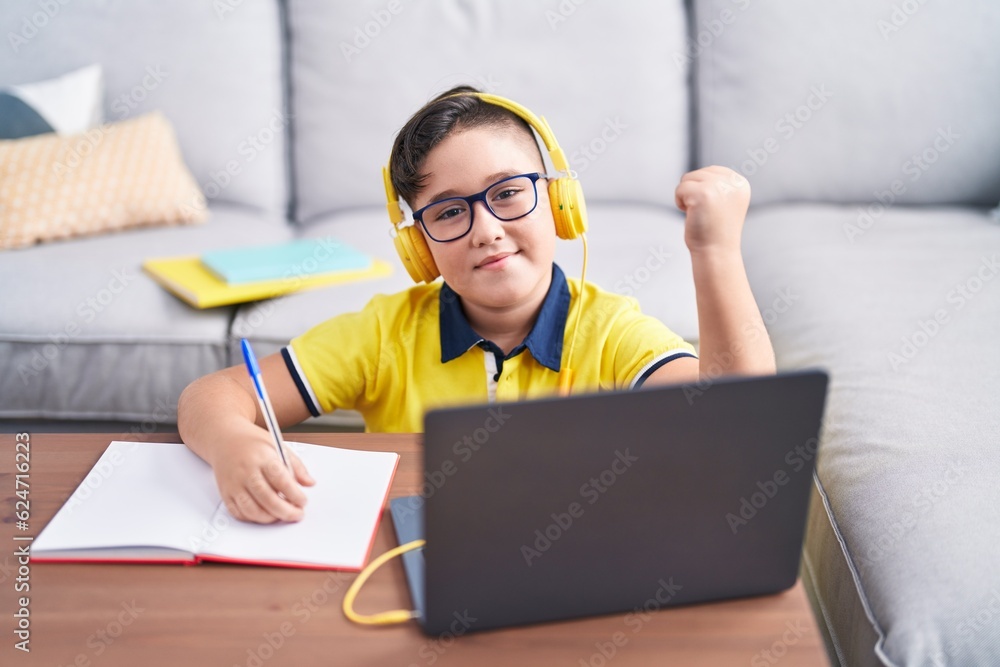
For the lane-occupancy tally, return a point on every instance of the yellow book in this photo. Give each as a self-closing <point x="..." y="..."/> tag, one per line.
<point x="188" y="279"/>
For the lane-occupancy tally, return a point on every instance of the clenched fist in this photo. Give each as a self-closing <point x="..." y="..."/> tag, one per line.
<point x="715" y="201"/>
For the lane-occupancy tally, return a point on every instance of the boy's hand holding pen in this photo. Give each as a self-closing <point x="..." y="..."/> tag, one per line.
<point x="256" y="485"/>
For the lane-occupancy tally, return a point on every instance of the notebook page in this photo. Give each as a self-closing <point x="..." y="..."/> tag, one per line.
<point x="138" y="494"/>
<point x="341" y="516"/>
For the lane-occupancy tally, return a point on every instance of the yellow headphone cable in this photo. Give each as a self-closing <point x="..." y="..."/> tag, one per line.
<point x="386" y="617"/>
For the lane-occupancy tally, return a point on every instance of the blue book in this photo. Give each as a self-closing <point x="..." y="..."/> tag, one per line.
<point x="297" y="259"/>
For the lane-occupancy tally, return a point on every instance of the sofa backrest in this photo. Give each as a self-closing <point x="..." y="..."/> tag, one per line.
<point x="602" y="73"/>
<point x="853" y="100"/>
<point x="213" y="68"/>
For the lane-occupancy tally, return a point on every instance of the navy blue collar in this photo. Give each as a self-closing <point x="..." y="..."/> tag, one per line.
<point x="545" y="341"/>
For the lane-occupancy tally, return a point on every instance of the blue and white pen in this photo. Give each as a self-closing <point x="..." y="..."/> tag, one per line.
<point x="264" y="400"/>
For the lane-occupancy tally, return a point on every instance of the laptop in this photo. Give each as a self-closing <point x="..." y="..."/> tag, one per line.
<point x="611" y="502"/>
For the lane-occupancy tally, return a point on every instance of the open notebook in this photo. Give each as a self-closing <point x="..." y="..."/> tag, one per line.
<point x="159" y="503"/>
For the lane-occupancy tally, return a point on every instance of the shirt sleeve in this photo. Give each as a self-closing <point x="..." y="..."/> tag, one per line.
<point x="640" y="344"/>
<point x="335" y="363"/>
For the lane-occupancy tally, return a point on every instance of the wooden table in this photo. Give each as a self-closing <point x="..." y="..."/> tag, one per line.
<point x="215" y="614"/>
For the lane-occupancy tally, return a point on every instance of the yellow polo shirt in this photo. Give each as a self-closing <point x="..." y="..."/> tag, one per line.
<point x="413" y="351"/>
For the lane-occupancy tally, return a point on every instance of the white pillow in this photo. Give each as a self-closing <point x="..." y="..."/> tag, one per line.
<point x="72" y="103"/>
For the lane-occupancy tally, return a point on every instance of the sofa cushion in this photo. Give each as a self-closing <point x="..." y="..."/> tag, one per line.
<point x="84" y="333"/>
<point x="215" y="73"/>
<point x="852" y="100"/>
<point x="905" y="318"/>
<point x="132" y="175"/>
<point x="360" y="69"/>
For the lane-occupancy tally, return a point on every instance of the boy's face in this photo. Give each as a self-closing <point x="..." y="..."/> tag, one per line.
<point x="466" y="162"/>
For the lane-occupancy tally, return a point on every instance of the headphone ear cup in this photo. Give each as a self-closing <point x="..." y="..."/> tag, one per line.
<point x="568" y="207"/>
<point x="412" y="248"/>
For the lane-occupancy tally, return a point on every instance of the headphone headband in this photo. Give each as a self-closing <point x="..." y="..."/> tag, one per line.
<point x="392" y="199"/>
<point x="540" y="125"/>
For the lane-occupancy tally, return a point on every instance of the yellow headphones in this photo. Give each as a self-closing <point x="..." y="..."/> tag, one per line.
<point x="565" y="194"/>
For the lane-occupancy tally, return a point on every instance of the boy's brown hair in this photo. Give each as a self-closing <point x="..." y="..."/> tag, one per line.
<point x="446" y="113"/>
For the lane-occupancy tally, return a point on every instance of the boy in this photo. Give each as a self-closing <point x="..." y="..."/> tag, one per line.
<point x="504" y="307"/>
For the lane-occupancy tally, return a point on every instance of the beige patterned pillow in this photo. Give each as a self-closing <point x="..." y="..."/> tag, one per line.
<point x="113" y="177"/>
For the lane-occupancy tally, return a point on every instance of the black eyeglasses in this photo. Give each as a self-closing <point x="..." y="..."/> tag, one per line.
<point x="508" y="199"/>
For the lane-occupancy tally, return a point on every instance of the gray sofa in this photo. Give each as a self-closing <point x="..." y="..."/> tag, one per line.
<point x="870" y="133"/>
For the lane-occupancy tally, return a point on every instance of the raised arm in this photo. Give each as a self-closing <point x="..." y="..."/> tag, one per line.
<point x="732" y="337"/>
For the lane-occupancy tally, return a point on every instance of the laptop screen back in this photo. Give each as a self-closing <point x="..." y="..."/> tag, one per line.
<point x="601" y="503"/>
